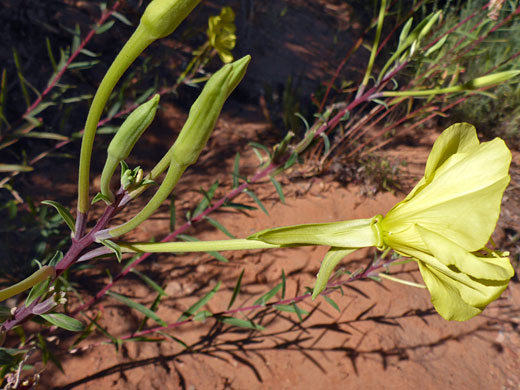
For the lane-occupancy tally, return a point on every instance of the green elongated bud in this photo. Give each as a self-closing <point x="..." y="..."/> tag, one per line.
<point x="132" y="129"/>
<point x="491" y="79"/>
<point x="125" y="139"/>
<point x="203" y="116"/>
<point x="162" y="17"/>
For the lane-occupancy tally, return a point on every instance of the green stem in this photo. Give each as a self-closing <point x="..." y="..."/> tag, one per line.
<point x="428" y="92"/>
<point x="139" y="40"/>
<point x="195" y="246"/>
<point x="108" y="171"/>
<point x="37" y="277"/>
<point x="375" y="45"/>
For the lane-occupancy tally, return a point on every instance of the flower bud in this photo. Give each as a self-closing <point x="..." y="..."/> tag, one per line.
<point x="206" y="110"/>
<point x="132" y="129"/>
<point x="491" y="79"/>
<point x="125" y="139"/>
<point x="162" y="17"/>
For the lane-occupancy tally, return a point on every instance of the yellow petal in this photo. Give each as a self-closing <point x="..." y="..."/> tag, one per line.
<point x="462" y="201"/>
<point x="455" y="295"/>
<point x="445" y="298"/>
<point x="458" y="138"/>
<point x="449" y="253"/>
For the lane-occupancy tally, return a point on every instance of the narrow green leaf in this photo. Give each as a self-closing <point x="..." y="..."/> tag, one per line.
<point x="201" y="316"/>
<point x="247" y="324"/>
<point x="84" y="64"/>
<point x="256" y="145"/>
<point x="145" y="95"/>
<point x="37" y="291"/>
<point x="261" y="159"/>
<point x="381" y="102"/>
<point x="332" y="303"/>
<point x="219" y="226"/>
<point x="236" y="170"/>
<point x="182" y="343"/>
<point x="64" y="213"/>
<point x="40" y="108"/>
<point x="143" y="339"/>
<point x="137" y="306"/>
<point x="215" y="254"/>
<point x="21" y="78"/>
<point x="236" y="289"/>
<point x="153" y="307"/>
<point x="326" y="142"/>
<point x="257" y="201"/>
<point x="63" y="321"/>
<point x="77" y="99"/>
<point x="292" y="308"/>
<point x="99" y="196"/>
<point x="293" y="158"/>
<point x="302" y="118"/>
<point x="3" y="97"/>
<point x="114" y="340"/>
<point x="76" y="38"/>
<point x="105" y="27"/>
<point x="264" y="299"/>
<point x="114" y="109"/>
<point x="46" y="135"/>
<point x="89" y="53"/>
<point x="15" y="168"/>
<point x="437" y="46"/>
<point x="199" y="304"/>
<point x="283" y="284"/>
<point x="56" y="258"/>
<point x="121" y="18"/>
<point x="107" y="130"/>
<point x="49" y="53"/>
<point x="238" y="206"/>
<point x="299" y="312"/>
<point x="206" y="201"/>
<point x="278" y="188"/>
<point x="114" y="247"/>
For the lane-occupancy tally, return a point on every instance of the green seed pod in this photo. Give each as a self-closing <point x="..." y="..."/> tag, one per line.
<point x="162" y="17"/>
<point x="125" y="139"/>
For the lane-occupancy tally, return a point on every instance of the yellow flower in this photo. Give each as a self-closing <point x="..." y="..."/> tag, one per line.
<point x="221" y="33"/>
<point x="449" y="217"/>
<point x="444" y="224"/>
